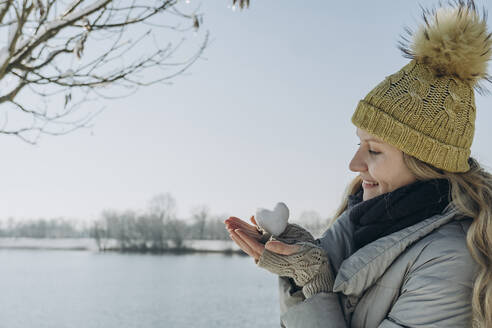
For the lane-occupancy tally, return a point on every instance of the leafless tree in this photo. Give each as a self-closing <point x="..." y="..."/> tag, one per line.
<point x="163" y="206"/>
<point x="241" y="3"/>
<point x="100" y="235"/>
<point x="200" y="215"/>
<point x="162" y="210"/>
<point x="59" y="54"/>
<point x="177" y="232"/>
<point x="216" y="229"/>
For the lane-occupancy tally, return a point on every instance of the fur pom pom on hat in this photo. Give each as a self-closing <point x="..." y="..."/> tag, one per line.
<point x="427" y="109"/>
<point x="453" y="41"/>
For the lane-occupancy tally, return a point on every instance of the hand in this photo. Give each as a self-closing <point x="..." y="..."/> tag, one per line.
<point x="254" y="231"/>
<point x="248" y="238"/>
<point x="305" y="262"/>
<point x="293" y="232"/>
<point x="234" y="223"/>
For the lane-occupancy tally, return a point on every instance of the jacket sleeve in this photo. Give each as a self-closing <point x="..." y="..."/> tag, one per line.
<point x="437" y="290"/>
<point x="322" y="309"/>
<point x="289" y="294"/>
<point x="319" y="311"/>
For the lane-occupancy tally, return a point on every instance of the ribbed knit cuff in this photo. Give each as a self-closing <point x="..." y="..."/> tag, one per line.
<point x="302" y="266"/>
<point x="322" y="282"/>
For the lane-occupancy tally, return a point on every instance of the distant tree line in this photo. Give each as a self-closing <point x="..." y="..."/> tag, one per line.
<point x="156" y="229"/>
<point x="44" y="228"/>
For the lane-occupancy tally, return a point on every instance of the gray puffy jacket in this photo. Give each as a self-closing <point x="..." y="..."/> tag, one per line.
<point x="420" y="276"/>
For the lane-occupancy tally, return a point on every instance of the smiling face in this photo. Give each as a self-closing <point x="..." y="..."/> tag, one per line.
<point x="380" y="165"/>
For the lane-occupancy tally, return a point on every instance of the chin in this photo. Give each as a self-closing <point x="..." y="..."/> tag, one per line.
<point x="368" y="195"/>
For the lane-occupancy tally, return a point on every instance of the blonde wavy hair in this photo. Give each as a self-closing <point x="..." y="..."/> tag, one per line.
<point x="471" y="195"/>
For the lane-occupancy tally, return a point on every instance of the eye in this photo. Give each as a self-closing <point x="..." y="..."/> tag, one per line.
<point x="371" y="152"/>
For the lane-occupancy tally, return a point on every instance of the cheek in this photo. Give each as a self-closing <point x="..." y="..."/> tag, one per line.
<point x="377" y="169"/>
<point x="383" y="172"/>
<point x="391" y="176"/>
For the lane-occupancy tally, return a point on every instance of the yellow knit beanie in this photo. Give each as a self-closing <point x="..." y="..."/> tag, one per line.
<point x="427" y="109"/>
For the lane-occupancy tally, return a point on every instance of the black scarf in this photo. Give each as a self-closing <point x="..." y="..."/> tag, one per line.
<point x="395" y="210"/>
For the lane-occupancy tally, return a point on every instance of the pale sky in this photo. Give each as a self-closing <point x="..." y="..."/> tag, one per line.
<point x="263" y="118"/>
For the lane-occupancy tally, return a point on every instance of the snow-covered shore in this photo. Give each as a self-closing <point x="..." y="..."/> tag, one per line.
<point x="89" y="244"/>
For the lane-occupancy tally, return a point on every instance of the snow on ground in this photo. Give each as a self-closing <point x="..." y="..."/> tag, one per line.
<point x="212" y="245"/>
<point x="48" y="243"/>
<point x="90" y="244"/>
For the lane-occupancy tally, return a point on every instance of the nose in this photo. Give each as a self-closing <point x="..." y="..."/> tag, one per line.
<point x="358" y="163"/>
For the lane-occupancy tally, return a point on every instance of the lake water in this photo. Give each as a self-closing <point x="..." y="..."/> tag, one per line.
<point x="40" y="288"/>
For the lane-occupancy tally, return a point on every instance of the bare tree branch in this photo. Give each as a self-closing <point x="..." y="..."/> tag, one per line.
<point x="69" y="53"/>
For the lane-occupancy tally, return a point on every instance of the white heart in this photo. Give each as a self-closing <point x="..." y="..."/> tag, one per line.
<point x="274" y="221"/>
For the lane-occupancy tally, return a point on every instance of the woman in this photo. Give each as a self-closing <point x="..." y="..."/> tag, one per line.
<point x="411" y="244"/>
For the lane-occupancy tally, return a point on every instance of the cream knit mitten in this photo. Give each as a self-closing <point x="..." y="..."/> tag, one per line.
<point x="309" y="268"/>
<point x="293" y="233"/>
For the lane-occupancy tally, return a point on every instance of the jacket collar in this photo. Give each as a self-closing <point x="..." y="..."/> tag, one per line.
<point x="363" y="268"/>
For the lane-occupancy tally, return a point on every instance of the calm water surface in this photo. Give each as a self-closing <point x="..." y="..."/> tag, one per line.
<point x="85" y="289"/>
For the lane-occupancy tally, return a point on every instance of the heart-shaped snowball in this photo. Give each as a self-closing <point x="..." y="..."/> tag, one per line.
<point x="274" y="221"/>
